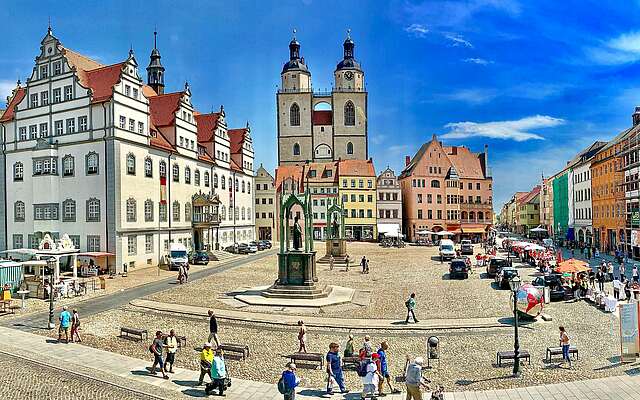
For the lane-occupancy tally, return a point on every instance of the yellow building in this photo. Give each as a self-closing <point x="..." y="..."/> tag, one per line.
<point x="357" y="189"/>
<point x="529" y="211"/>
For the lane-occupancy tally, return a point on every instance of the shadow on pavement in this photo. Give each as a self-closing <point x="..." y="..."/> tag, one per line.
<point x="194" y="393"/>
<point x="184" y="383"/>
<point x="467" y="382"/>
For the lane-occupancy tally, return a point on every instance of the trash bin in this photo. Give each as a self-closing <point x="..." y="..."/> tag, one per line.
<point x="103" y="282"/>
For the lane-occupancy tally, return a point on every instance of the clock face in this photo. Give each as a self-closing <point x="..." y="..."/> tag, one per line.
<point x="348" y="75"/>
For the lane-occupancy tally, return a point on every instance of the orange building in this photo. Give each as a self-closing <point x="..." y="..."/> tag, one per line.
<point x="608" y="196"/>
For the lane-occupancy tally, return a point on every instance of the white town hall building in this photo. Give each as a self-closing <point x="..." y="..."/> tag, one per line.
<point x="91" y="151"/>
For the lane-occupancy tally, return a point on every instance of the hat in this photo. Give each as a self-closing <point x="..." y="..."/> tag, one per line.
<point x="419" y="360"/>
<point x="207" y="344"/>
<point x="367" y="337"/>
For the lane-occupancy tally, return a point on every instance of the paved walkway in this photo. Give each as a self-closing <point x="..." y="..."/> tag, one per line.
<point x="124" y="369"/>
<point x="320" y="322"/>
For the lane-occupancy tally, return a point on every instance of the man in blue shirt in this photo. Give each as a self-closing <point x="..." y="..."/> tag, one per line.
<point x="291" y="381"/>
<point x="384" y="369"/>
<point x="65" y="324"/>
<point x="334" y="369"/>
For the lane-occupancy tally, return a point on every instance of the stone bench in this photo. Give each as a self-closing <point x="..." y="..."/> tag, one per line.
<point x="140" y="334"/>
<point x="557" y="351"/>
<point x="510" y="355"/>
<point x="240" y="349"/>
<point x="308" y="358"/>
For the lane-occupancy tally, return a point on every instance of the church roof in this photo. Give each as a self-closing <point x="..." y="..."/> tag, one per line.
<point x="17" y="97"/>
<point x="207" y="123"/>
<point x="323" y="117"/>
<point x="163" y="108"/>
<point x="356" y="168"/>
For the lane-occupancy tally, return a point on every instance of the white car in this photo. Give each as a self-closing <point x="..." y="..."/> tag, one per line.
<point x="447" y="250"/>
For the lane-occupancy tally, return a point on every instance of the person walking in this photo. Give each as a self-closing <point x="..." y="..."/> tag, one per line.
<point x="171" y="341"/>
<point x="348" y="260"/>
<point x="213" y="329"/>
<point x="334" y="369"/>
<point x="370" y="379"/>
<point x="363" y="264"/>
<point x="564" y="342"/>
<point x="411" y="306"/>
<point x="65" y="324"/>
<point x="367" y="266"/>
<point x="331" y="261"/>
<point x="75" y="326"/>
<point x="289" y="382"/>
<point x="384" y="369"/>
<point x="302" y="337"/>
<point x="601" y="278"/>
<point x="206" y="360"/>
<point x="156" y="350"/>
<point x="626" y="284"/>
<point x="414" y="380"/>
<point x="617" y="285"/>
<point x="634" y="273"/>
<point x="218" y="373"/>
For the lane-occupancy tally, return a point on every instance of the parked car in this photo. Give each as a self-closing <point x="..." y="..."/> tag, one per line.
<point x="199" y="257"/>
<point x="240" y="248"/>
<point x="261" y="246"/>
<point x="554" y="283"/>
<point x="458" y="268"/>
<point x="506" y="274"/>
<point x="495" y="266"/>
<point x="466" y="247"/>
<point x="446" y="250"/>
<point x="266" y="244"/>
<point x="253" y="248"/>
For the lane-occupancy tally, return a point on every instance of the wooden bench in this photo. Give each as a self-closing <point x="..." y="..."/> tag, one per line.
<point x="240" y="349"/>
<point x="351" y="361"/>
<point x="182" y="340"/>
<point x="557" y="351"/>
<point x="308" y="358"/>
<point x="141" y="334"/>
<point x="510" y="355"/>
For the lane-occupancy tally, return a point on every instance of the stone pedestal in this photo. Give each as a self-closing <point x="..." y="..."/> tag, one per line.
<point x="337" y="248"/>
<point x="297" y="277"/>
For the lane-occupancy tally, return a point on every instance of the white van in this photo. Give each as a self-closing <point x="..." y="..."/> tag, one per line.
<point x="178" y="256"/>
<point x="447" y="250"/>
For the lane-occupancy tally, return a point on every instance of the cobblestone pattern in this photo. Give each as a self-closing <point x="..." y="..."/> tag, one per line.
<point x="23" y="379"/>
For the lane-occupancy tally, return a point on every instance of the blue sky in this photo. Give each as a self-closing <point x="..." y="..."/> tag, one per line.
<point x="536" y="81"/>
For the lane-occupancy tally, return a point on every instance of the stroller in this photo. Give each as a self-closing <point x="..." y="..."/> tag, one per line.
<point x="218" y="384"/>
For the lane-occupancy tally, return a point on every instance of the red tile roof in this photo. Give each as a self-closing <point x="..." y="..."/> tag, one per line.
<point x="356" y="168"/>
<point x="285" y="172"/>
<point x="207" y="123"/>
<point x="160" y="141"/>
<point x="234" y="166"/>
<point x="236" y="139"/>
<point x="163" y="108"/>
<point x="18" y="96"/>
<point x="102" y="80"/>
<point x="323" y="117"/>
<point x="531" y="195"/>
<point x="467" y="163"/>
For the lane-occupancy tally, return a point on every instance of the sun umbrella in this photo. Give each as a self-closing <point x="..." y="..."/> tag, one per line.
<point x="538" y="229"/>
<point x="534" y="247"/>
<point x="572" y="265"/>
<point x="445" y="233"/>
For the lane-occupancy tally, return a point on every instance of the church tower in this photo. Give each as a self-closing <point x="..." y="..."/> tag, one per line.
<point x="349" y="101"/>
<point x="294" y="107"/>
<point x="155" y="70"/>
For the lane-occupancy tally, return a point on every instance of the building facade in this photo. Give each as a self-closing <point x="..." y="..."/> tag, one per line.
<point x="317" y="126"/>
<point x="265" y="193"/>
<point x="389" y="203"/>
<point x="546" y="205"/>
<point x="529" y="211"/>
<point x="357" y="190"/>
<point x="322" y="179"/>
<point x="447" y="188"/>
<point x="92" y="151"/>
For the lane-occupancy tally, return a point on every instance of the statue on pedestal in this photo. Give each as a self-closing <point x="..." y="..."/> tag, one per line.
<point x="297" y="234"/>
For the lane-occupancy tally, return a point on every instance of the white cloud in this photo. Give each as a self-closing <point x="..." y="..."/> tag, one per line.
<point x="398" y="149"/>
<point x="506" y="130"/>
<point x="472" y="96"/>
<point x="378" y="139"/>
<point x="622" y="49"/>
<point x="5" y="89"/>
<point x="479" y="61"/>
<point x="457" y="40"/>
<point x="417" y="30"/>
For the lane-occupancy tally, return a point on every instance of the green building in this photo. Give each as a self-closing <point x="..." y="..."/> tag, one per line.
<point x="561" y="205"/>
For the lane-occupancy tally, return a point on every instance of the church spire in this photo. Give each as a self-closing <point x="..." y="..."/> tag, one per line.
<point x="155" y="70"/>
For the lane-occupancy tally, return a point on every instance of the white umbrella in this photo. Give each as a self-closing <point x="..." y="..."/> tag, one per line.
<point x="445" y="233"/>
<point x="534" y="247"/>
<point x="538" y="229"/>
<point x="423" y="232"/>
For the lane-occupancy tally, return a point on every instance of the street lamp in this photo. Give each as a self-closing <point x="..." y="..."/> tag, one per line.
<point x="514" y="283"/>
<point x="51" y="265"/>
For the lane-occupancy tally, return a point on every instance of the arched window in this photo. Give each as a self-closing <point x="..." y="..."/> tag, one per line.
<point x="18" y="171"/>
<point x="222" y="181"/>
<point x="237" y="185"/>
<point x="230" y="213"/>
<point x="349" y="148"/>
<point x="243" y="187"/>
<point x="176" y="211"/>
<point x="435" y="183"/>
<point x="69" y="210"/>
<point x="187" y="175"/>
<point x="230" y="184"/>
<point x="163" y="169"/>
<point x="196" y="177"/>
<point x="176" y="173"/>
<point x="148" y="167"/>
<point x="296" y="149"/>
<point x="92" y="163"/>
<point x="93" y="210"/>
<point x="148" y="210"/>
<point x="294" y="115"/>
<point x="472" y="215"/>
<point x="349" y="114"/>
<point x="223" y="215"/>
<point x="68" y="165"/>
<point x="215" y="181"/>
<point x="480" y="216"/>
<point x="131" y="210"/>
<point x="237" y="216"/>
<point x="187" y="212"/>
<point x="242" y="215"/>
<point x="131" y="164"/>
<point x="18" y="211"/>
<point x="463" y="215"/>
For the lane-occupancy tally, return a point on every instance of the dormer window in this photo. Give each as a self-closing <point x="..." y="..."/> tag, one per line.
<point x="135" y="93"/>
<point x="44" y="72"/>
<point x="127" y="90"/>
<point x="57" y="68"/>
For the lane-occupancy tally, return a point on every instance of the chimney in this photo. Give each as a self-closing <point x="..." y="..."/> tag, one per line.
<point x="454" y="150"/>
<point x="407" y="160"/>
<point x="636" y="116"/>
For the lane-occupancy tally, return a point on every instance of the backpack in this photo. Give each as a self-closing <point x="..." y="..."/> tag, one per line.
<point x="406" y="303"/>
<point x="282" y="388"/>
<point x="362" y="368"/>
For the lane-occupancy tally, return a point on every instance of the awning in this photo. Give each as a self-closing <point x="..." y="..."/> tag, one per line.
<point x="454" y="229"/>
<point x="392" y="229"/>
<point x="473" y="229"/>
